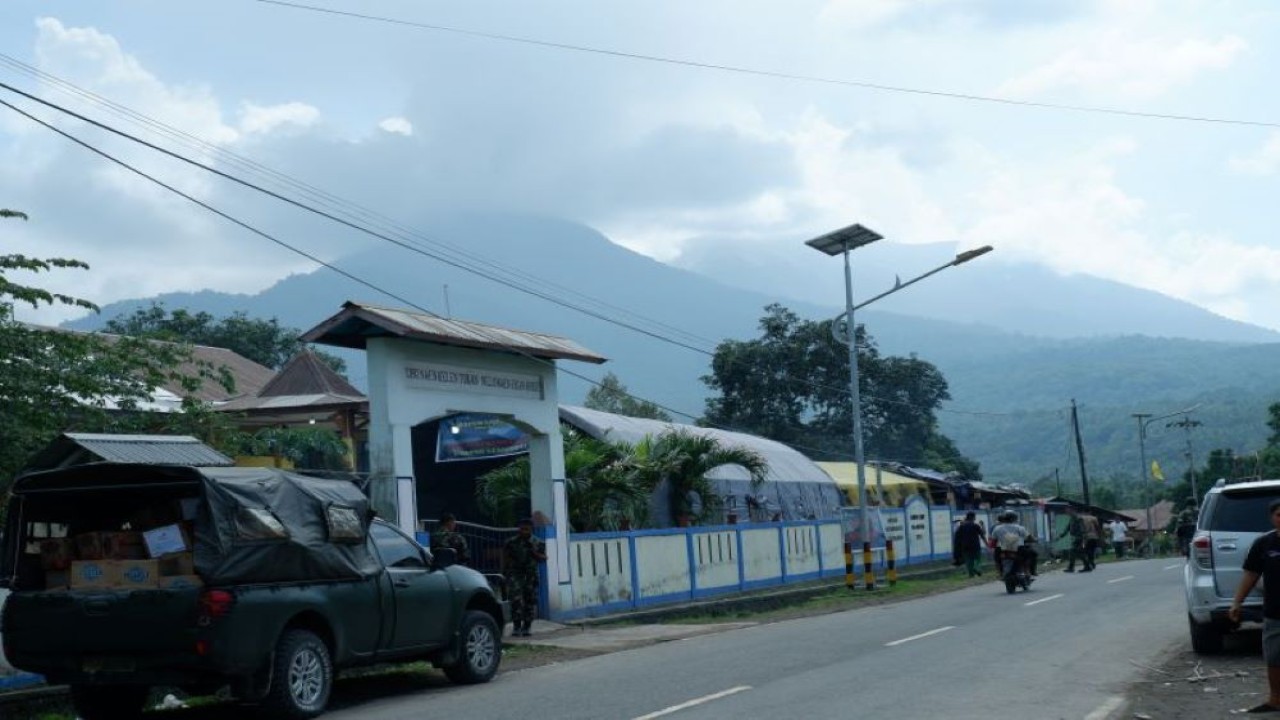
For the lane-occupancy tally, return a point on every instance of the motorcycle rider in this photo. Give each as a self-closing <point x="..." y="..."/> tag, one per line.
<point x="1008" y="538"/>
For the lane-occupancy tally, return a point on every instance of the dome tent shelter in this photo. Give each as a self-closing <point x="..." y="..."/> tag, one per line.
<point x="795" y="488"/>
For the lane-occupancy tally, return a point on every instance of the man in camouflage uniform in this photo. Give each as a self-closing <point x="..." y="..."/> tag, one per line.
<point x="520" y="558"/>
<point x="447" y="536"/>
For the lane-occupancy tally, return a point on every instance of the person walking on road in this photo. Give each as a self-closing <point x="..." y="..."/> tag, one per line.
<point x="520" y="558"/>
<point x="447" y="536"/>
<point x="1263" y="562"/>
<point x="1092" y="537"/>
<point x="969" y="539"/>
<point x="1077" y="529"/>
<point x="1119" y="536"/>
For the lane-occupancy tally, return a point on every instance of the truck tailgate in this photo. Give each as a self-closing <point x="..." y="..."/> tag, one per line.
<point x="75" y="626"/>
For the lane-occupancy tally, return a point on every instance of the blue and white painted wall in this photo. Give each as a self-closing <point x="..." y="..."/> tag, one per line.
<point x="622" y="571"/>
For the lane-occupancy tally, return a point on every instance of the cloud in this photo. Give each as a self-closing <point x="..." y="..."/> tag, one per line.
<point x="396" y="124"/>
<point x="1115" y="64"/>
<point x="139" y="238"/>
<point x="259" y="119"/>
<point x="1266" y="161"/>
<point x="1077" y="218"/>
<point x="95" y="60"/>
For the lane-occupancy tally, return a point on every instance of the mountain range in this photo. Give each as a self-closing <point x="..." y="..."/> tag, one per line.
<point x="1016" y="342"/>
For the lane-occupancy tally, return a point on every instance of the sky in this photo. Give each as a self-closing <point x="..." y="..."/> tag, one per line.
<point x="665" y="158"/>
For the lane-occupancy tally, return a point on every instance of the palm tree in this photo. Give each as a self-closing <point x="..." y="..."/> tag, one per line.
<point x="601" y="491"/>
<point x="682" y="459"/>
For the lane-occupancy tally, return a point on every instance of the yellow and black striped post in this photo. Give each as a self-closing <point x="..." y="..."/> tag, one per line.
<point x="850" y="580"/>
<point x="866" y="566"/>
<point x="892" y="572"/>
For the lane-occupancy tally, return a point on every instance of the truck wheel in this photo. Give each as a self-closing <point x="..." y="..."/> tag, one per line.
<point x="108" y="702"/>
<point x="1206" y="639"/>
<point x="479" y="652"/>
<point x="302" y="677"/>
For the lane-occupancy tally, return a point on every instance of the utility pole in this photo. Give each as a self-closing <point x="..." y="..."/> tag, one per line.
<point x="1057" y="483"/>
<point x="1142" y="419"/>
<point x="1187" y="423"/>
<point x="1084" y="476"/>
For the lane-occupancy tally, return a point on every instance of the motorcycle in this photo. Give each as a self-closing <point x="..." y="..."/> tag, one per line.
<point x="1013" y="571"/>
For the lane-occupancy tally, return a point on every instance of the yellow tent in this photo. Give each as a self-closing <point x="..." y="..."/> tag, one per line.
<point x="897" y="488"/>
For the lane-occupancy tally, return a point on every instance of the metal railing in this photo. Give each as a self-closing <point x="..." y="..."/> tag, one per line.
<point x="484" y="542"/>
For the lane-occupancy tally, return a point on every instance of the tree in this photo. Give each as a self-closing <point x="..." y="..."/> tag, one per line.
<point x="602" y="492"/>
<point x="791" y="385"/>
<point x="611" y="396"/>
<point x="311" y="448"/>
<point x="53" y="381"/>
<point x="681" y="460"/>
<point x="265" y="342"/>
<point x="1273" y="422"/>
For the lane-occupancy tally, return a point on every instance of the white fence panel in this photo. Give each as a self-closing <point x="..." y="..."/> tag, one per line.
<point x="663" y="565"/>
<point x="715" y="558"/>
<point x="761" y="554"/>
<point x="601" y="571"/>
<point x="802" y="549"/>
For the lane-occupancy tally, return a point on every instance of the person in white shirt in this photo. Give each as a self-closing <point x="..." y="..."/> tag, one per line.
<point x="1118" y="537"/>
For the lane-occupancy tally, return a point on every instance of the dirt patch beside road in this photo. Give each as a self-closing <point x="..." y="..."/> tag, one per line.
<point x="1186" y="686"/>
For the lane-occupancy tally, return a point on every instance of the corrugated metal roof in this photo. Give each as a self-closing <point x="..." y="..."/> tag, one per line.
<point x="357" y="322"/>
<point x="307" y="374"/>
<point x="81" y="448"/>
<point x="283" y="402"/>
<point x="785" y="464"/>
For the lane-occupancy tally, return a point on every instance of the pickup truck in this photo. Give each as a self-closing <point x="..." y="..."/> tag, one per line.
<point x="291" y="578"/>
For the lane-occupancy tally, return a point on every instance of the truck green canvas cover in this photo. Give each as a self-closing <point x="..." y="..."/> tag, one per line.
<point x="251" y="525"/>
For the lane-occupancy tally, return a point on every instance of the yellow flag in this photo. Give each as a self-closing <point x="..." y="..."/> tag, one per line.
<point x="1155" y="471"/>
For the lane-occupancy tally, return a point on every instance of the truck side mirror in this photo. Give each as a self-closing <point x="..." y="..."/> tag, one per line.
<point x="442" y="558"/>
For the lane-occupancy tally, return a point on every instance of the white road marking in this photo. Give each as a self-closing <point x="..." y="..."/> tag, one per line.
<point x="1120" y="579"/>
<point x="1174" y="567"/>
<point x="1044" y="599"/>
<point x="1104" y="711"/>
<point x="921" y="635"/>
<point x="693" y="703"/>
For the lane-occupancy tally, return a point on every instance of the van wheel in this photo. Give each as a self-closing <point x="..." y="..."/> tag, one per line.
<point x="479" y="650"/>
<point x="302" y="677"/>
<point x="1206" y="639"/>
<point x="108" y="702"/>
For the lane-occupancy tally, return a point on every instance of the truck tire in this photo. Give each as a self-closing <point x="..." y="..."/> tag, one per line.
<point x="479" y="650"/>
<point x="108" y="702"/>
<point x="1206" y="638"/>
<point x="301" y="678"/>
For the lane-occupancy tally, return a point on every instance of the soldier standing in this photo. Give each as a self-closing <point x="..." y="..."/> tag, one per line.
<point x="447" y="536"/>
<point x="520" y="558"/>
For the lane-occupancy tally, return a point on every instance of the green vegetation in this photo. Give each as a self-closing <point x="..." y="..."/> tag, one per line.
<point x="265" y="342"/>
<point x="613" y="397"/>
<point x="791" y="385"/>
<point x="609" y="484"/>
<point x="54" y="381"/>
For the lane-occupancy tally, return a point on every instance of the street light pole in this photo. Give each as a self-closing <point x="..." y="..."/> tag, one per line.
<point x="1145" y="419"/>
<point x="842" y="242"/>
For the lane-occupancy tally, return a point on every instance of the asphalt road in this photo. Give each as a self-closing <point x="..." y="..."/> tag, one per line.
<point x="1066" y="649"/>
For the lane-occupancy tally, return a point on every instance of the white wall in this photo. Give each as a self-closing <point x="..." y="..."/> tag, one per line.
<point x="663" y="565"/>
<point x="801" y="542"/>
<point x="601" y="571"/>
<point x="715" y="559"/>
<point x="761" y="555"/>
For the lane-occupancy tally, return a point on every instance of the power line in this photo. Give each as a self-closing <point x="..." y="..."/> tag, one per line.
<point x="740" y="70"/>
<point x="475" y="331"/>
<point x="327" y="199"/>
<point x="413" y="247"/>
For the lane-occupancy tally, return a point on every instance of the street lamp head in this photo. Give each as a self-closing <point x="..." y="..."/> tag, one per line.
<point x="968" y="255"/>
<point x="849" y="238"/>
